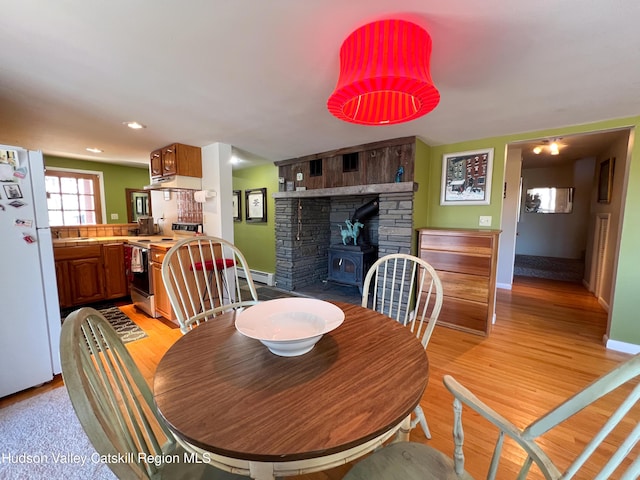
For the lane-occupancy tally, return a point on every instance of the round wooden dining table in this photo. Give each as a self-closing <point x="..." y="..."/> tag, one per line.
<point x="238" y="406"/>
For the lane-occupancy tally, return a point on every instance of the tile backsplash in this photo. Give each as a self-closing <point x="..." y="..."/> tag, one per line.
<point x="189" y="211"/>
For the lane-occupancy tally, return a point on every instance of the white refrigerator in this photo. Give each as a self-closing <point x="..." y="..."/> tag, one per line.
<point x="29" y="312"/>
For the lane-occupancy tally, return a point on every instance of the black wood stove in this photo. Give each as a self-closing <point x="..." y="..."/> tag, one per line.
<point x="349" y="263"/>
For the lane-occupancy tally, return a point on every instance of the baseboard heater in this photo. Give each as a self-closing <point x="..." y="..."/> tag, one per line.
<point x="258" y="276"/>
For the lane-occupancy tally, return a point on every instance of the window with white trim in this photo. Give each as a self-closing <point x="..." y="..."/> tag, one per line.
<point x="73" y="198"/>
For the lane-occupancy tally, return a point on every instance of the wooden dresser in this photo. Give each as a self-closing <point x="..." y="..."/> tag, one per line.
<point x="466" y="263"/>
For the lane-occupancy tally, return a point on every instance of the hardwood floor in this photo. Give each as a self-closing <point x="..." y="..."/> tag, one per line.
<point x="545" y="346"/>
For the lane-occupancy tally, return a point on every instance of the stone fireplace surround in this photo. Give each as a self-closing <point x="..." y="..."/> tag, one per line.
<point x="306" y="224"/>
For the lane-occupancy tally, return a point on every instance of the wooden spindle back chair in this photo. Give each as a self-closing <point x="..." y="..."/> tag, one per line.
<point x="407" y="289"/>
<point x="115" y="405"/>
<point x="619" y="459"/>
<point x="204" y="277"/>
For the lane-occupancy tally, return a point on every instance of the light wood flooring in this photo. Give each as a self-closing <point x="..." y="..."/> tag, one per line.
<point x="545" y="346"/>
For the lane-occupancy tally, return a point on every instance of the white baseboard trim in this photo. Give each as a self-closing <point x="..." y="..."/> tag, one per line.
<point x="505" y="286"/>
<point x="258" y="276"/>
<point x="603" y="304"/>
<point x="623" y="347"/>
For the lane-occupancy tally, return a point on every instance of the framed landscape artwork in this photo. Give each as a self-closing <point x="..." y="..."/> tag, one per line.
<point x="466" y="178"/>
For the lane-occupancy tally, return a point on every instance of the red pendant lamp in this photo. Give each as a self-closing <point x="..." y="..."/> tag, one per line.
<point x="384" y="75"/>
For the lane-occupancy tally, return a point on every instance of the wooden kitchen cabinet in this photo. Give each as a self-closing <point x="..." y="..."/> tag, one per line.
<point x="115" y="276"/>
<point x="80" y="274"/>
<point x="87" y="280"/>
<point x="64" y="285"/>
<point x="176" y="159"/>
<point x="90" y="273"/>
<point x="163" y="305"/>
<point x="155" y="160"/>
<point x="466" y="262"/>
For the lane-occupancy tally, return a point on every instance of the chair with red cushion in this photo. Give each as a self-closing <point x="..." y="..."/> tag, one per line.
<point x="204" y="277"/>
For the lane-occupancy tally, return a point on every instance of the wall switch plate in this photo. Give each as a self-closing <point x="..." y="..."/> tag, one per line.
<point x="485" y="221"/>
<point x="299" y="176"/>
<point x="114" y="216"/>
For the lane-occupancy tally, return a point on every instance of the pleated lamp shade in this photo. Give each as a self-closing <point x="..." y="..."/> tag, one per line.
<point x="384" y="75"/>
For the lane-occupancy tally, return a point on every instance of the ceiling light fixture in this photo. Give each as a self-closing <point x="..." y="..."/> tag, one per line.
<point x="552" y="145"/>
<point x="94" y="150"/>
<point x="134" y="125"/>
<point x="384" y="75"/>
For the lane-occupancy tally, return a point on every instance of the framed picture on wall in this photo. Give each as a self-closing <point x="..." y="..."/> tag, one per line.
<point x="466" y="178"/>
<point x="605" y="180"/>
<point x="236" y="203"/>
<point x="256" y="205"/>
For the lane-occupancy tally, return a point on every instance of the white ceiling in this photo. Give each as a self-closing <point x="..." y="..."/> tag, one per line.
<point x="257" y="74"/>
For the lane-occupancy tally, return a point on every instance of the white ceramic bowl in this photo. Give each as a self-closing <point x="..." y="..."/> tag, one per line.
<point x="289" y="326"/>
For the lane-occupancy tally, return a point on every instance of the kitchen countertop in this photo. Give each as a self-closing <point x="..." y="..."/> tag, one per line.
<point x="155" y="240"/>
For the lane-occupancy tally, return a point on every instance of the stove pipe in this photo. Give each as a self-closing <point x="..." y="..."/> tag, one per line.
<point x="362" y="213"/>
<point x="365" y="211"/>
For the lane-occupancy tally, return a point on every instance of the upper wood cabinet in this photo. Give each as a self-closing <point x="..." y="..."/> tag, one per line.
<point x="176" y="159"/>
<point x="156" y="163"/>
<point x="369" y="164"/>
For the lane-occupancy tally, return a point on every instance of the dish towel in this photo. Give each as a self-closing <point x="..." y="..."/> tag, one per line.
<point x="136" y="260"/>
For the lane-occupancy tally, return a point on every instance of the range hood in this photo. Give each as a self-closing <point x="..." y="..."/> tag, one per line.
<point x="175" y="182"/>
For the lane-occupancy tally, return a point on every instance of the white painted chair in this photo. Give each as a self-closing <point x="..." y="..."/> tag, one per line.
<point x="204" y="277"/>
<point x="409" y="460"/>
<point x="115" y="405"/>
<point x="407" y="289"/>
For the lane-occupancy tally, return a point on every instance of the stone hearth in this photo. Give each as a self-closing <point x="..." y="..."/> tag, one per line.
<point x="307" y="225"/>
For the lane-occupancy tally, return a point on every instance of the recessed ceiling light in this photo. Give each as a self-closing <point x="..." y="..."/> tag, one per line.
<point x="134" y="125"/>
<point x="537" y="150"/>
<point x="94" y="150"/>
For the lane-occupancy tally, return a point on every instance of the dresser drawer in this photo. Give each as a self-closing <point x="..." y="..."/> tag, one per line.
<point x="464" y="315"/>
<point x="478" y="245"/>
<point x="457" y="262"/>
<point x="469" y="287"/>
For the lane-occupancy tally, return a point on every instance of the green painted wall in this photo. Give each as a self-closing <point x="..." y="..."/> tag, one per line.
<point x="116" y="178"/>
<point x="462" y="216"/>
<point x="625" y="319"/>
<point x="257" y="241"/>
